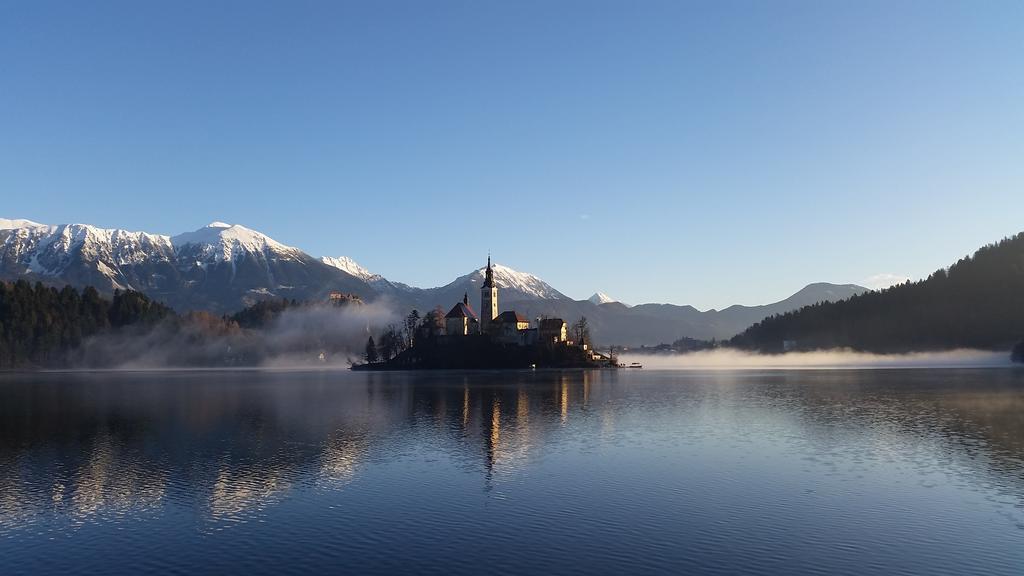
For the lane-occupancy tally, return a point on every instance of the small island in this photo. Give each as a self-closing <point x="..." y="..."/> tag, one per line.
<point x="464" y="339"/>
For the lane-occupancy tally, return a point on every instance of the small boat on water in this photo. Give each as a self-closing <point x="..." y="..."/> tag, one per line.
<point x="635" y="365"/>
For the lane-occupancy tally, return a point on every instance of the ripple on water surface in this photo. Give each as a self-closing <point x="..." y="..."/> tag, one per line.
<point x="653" y="472"/>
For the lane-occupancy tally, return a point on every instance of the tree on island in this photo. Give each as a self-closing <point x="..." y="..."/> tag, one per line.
<point x="432" y="325"/>
<point x="391" y="342"/>
<point x="581" y="331"/>
<point x="371" y="355"/>
<point x="411" y="322"/>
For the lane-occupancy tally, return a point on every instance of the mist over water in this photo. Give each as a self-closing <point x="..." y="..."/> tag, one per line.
<point x="295" y="338"/>
<point x="727" y="359"/>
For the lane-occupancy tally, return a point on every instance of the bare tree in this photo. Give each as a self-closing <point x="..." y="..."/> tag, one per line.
<point x="581" y="331"/>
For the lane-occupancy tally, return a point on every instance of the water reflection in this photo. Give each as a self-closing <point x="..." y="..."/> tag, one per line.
<point x="232" y="446"/>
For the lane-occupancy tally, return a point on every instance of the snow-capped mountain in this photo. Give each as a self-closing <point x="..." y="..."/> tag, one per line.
<point x="6" y="224"/>
<point x="223" y="267"/>
<point x="351" y="266"/>
<point x="518" y="285"/>
<point x="219" y="267"/>
<point x="220" y="242"/>
<point x="513" y="286"/>
<point x="601" y="298"/>
<point x="379" y="283"/>
<point x="82" y="254"/>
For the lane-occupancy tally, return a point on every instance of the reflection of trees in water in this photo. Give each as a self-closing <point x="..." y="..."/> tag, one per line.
<point x="115" y="476"/>
<point x="234" y="442"/>
<point x="107" y="477"/>
<point x="79" y="446"/>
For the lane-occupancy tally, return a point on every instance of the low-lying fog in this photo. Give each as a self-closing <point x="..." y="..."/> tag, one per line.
<point x="735" y="359"/>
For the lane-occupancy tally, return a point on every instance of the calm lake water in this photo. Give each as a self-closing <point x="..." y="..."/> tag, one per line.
<point x="637" y="471"/>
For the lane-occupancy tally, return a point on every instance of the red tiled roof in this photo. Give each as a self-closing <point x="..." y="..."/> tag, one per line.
<point x="510" y="316"/>
<point x="461" y="310"/>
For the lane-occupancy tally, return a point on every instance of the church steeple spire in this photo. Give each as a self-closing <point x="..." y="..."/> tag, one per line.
<point x="489" y="274"/>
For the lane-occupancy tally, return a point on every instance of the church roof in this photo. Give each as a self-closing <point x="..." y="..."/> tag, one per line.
<point x="461" y="310"/>
<point x="510" y="316"/>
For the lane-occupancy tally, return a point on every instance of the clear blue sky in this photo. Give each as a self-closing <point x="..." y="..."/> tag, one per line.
<point x="707" y="153"/>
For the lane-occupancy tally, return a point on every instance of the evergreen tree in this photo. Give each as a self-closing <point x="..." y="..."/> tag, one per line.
<point x="411" y="322"/>
<point x="977" y="302"/>
<point x="371" y="355"/>
<point x="42" y="326"/>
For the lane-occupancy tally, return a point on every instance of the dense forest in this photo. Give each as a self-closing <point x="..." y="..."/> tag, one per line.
<point x="47" y="327"/>
<point x="976" y="303"/>
<point x="42" y="326"/>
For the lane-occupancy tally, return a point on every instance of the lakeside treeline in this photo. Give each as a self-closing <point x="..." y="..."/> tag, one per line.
<point x="46" y="327"/>
<point x="41" y="325"/>
<point x="977" y="302"/>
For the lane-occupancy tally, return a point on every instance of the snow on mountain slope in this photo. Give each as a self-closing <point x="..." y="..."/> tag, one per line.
<point x="522" y="284"/>
<point x="81" y="254"/>
<point x="220" y="242"/>
<point x="49" y="250"/>
<point x="601" y="298"/>
<point x="6" y="224"/>
<point x="219" y="267"/>
<point x="351" y="266"/>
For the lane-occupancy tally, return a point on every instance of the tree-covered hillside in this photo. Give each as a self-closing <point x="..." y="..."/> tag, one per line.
<point x="40" y="325"/>
<point x="977" y="302"/>
<point x="46" y="327"/>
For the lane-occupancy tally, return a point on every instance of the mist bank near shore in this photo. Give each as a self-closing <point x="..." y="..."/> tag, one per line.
<point x="731" y="359"/>
<point x="305" y="336"/>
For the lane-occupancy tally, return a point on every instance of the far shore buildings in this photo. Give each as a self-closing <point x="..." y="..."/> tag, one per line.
<point x="509" y="327"/>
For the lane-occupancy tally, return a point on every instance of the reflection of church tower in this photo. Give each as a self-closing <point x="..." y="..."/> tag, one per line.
<point x="488" y="299"/>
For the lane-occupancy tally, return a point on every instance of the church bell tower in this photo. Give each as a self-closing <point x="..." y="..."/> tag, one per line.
<point x="488" y="298"/>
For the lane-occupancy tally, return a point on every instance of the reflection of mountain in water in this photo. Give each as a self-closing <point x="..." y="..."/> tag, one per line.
<point x="231" y="444"/>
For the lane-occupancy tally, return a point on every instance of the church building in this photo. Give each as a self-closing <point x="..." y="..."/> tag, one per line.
<point x="509" y="327"/>
<point x="462" y="320"/>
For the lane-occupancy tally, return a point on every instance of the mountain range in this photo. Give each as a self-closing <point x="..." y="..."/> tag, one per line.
<point x="222" y="268"/>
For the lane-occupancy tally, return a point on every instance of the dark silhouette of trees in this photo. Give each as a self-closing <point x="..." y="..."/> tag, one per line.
<point x="411" y="322"/>
<point x="581" y="331"/>
<point x="1018" y="352"/>
<point x="432" y="325"/>
<point x="977" y="302"/>
<point x="371" y="354"/>
<point x="262" y="313"/>
<point x="132" y="307"/>
<point x="41" y="326"/>
<point x="391" y="342"/>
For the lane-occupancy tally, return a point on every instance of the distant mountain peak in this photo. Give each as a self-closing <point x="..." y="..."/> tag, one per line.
<point x="225" y="242"/>
<point x="16" y="223"/>
<point x="523" y="283"/>
<point x="602" y="298"/>
<point x="349" y="265"/>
